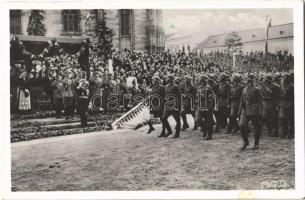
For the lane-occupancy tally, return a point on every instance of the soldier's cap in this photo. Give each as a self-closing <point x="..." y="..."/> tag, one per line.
<point x="268" y="79"/>
<point x="187" y="78"/>
<point x="171" y="77"/>
<point x="155" y="77"/>
<point x="251" y="77"/>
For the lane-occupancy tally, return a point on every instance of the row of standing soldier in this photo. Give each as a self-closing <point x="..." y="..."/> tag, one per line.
<point x="269" y="102"/>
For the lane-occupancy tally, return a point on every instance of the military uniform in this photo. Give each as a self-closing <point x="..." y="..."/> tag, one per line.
<point x="58" y="96"/>
<point x="270" y="94"/>
<point x="223" y="94"/>
<point x="235" y="94"/>
<point x="250" y="110"/>
<point x="172" y="107"/>
<point x="286" y="113"/>
<point x="83" y="101"/>
<point x="188" y="100"/>
<point x="68" y="97"/>
<point x="204" y="110"/>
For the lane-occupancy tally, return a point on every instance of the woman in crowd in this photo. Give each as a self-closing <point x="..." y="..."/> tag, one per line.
<point x="24" y="93"/>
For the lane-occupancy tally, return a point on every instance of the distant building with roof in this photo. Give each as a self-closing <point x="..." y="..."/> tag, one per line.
<point x="176" y="42"/>
<point x="280" y="38"/>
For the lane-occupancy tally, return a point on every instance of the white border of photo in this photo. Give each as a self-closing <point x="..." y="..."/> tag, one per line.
<point x="5" y="161"/>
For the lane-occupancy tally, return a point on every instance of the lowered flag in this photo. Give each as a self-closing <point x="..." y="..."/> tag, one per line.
<point x="268" y="25"/>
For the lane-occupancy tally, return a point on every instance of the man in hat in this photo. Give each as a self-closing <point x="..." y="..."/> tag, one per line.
<point x="271" y="94"/>
<point x="223" y="93"/>
<point x="156" y="97"/>
<point x="83" y="99"/>
<point x="250" y="110"/>
<point x="204" y="108"/>
<point x="68" y="94"/>
<point x="57" y="85"/>
<point x="286" y="113"/>
<point x="235" y="94"/>
<point x="172" y="106"/>
<point x="188" y="100"/>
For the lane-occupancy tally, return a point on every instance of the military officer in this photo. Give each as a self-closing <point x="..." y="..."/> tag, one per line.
<point x="172" y="106"/>
<point x="83" y="99"/>
<point x="250" y="110"/>
<point x="204" y="108"/>
<point x="156" y="98"/>
<point x="286" y="113"/>
<point x="271" y="94"/>
<point x="235" y="94"/>
<point x="223" y="94"/>
<point x="188" y="100"/>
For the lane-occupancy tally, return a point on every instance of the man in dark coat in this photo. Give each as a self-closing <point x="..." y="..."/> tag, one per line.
<point x="250" y="110"/>
<point x="286" y="113"/>
<point x="235" y="94"/>
<point x="271" y="95"/>
<point x="188" y="100"/>
<point x="223" y="94"/>
<point x="172" y="106"/>
<point x="156" y="100"/>
<point x="83" y="99"/>
<point x="204" y="108"/>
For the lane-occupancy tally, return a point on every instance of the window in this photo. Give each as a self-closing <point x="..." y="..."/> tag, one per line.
<point x="71" y="21"/>
<point x="15" y="21"/>
<point x="253" y="36"/>
<point x="281" y="32"/>
<point x="125" y="21"/>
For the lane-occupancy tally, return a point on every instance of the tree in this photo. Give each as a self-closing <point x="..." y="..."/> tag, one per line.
<point x="104" y="35"/>
<point x="233" y="42"/>
<point x="35" y="25"/>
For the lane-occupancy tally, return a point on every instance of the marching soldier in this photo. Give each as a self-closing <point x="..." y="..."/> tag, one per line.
<point x="286" y="113"/>
<point x="156" y="103"/>
<point x="83" y="99"/>
<point x="270" y="94"/>
<point x="172" y="106"/>
<point x="250" y="110"/>
<point x="223" y="94"/>
<point x="188" y="99"/>
<point x="235" y="94"/>
<point x="204" y="108"/>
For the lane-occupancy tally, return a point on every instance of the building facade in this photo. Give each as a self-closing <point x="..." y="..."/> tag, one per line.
<point x="280" y="39"/>
<point x="178" y="42"/>
<point x="137" y="30"/>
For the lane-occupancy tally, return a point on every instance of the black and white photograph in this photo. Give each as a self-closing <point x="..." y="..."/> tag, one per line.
<point x="154" y="99"/>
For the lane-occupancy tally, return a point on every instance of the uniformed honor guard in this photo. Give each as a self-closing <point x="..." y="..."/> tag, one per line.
<point x="223" y="94"/>
<point x="286" y="113"/>
<point x="172" y="106"/>
<point x="156" y="106"/>
<point x="68" y="94"/>
<point x="57" y="85"/>
<point x="83" y="99"/>
<point x="250" y="110"/>
<point x="205" y="104"/>
<point x="188" y="100"/>
<point x="271" y="95"/>
<point x="235" y="94"/>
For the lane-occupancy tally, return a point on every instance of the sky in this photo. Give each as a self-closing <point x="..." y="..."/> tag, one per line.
<point x="204" y="22"/>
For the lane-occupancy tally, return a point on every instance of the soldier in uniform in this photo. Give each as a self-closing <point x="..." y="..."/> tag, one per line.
<point x="57" y="85"/>
<point x="204" y="108"/>
<point x="188" y="100"/>
<point x="223" y="94"/>
<point x="172" y="106"/>
<point x="235" y="94"/>
<point x="270" y="94"/>
<point x="83" y="99"/>
<point x="250" y="110"/>
<point x="157" y="96"/>
<point x="68" y="95"/>
<point x="286" y="113"/>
